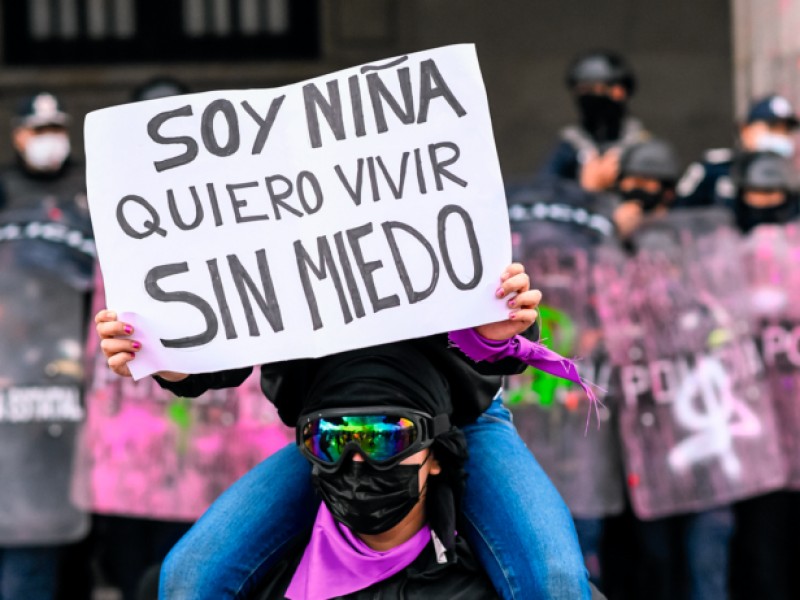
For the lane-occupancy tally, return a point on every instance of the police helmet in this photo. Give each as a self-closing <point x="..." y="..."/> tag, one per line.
<point x="41" y="109"/>
<point x="601" y="67"/>
<point x="159" y="87"/>
<point x="763" y="171"/>
<point x="773" y="109"/>
<point x="654" y="159"/>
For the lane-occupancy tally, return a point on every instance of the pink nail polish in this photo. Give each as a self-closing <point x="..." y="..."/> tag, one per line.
<point x="511" y="303"/>
<point x="512" y="315"/>
<point x="136" y="345"/>
<point x="128" y="329"/>
<point x="499" y="293"/>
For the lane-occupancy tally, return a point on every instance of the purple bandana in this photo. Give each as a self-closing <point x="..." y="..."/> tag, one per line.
<point x="479" y="348"/>
<point x="337" y="562"/>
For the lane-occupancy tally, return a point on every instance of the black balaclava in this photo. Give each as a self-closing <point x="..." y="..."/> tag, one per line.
<point x="650" y="159"/>
<point x="601" y="116"/>
<point x="396" y="375"/>
<point x="749" y="217"/>
<point x="649" y="201"/>
<point x="763" y="171"/>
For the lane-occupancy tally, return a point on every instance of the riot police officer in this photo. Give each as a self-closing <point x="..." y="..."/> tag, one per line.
<point x="601" y="84"/>
<point x="648" y="172"/>
<point x="766" y="542"/>
<point x="43" y="150"/>
<point x="763" y="190"/>
<point x="47" y="255"/>
<point x="768" y="127"/>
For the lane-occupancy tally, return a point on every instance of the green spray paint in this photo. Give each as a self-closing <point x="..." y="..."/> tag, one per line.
<point x="558" y="332"/>
<point x="179" y="412"/>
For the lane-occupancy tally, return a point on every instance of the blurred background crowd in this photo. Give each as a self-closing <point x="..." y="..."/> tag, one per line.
<point x="649" y="154"/>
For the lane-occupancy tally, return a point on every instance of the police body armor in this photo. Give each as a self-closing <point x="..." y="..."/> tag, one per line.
<point x="632" y="132"/>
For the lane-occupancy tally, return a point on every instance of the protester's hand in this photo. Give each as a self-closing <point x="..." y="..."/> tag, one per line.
<point x="599" y="172"/>
<point x="120" y="348"/>
<point x="523" y="301"/>
<point x="628" y="217"/>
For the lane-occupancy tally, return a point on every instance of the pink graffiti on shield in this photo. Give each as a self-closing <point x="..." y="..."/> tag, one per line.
<point x="146" y="453"/>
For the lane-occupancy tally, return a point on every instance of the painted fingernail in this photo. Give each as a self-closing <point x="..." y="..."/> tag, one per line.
<point x="499" y="293"/>
<point x="512" y="303"/>
<point x="136" y="345"/>
<point x="128" y="329"/>
<point x="512" y="315"/>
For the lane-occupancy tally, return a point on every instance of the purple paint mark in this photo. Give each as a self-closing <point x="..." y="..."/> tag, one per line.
<point x="145" y="455"/>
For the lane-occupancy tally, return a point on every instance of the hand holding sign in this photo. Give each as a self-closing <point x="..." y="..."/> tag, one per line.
<point x="523" y="301"/>
<point x="119" y="348"/>
<point x="244" y="227"/>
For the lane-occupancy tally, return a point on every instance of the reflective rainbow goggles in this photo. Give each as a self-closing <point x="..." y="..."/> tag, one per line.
<point x="383" y="435"/>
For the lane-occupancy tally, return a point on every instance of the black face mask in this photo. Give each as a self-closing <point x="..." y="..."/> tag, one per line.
<point x="601" y="116"/>
<point x="748" y="217"/>
<point x="648" y="200"/>
<point x="367" y="500"/>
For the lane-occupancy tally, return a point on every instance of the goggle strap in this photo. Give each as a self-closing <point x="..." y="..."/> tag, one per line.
<point x="441" y="424"/>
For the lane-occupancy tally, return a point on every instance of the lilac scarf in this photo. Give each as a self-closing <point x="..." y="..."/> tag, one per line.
<point x="337" y="562"/>
<point x="479" y="348"/>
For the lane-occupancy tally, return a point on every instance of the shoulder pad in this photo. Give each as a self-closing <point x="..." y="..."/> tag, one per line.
<point x="725" y="188"/>
<point x="578" y="139"/>
<point x="687" y="184"/>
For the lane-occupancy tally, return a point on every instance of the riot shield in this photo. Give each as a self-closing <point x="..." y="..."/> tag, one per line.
<point x="575" y="445"/>
<point x="771" y="261"/>
<point x="148" y="454"/>
<point x="46" y="257"/>
<point x="696" y="418"/>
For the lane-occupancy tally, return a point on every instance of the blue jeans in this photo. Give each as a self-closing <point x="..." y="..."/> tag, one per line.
<point x="28" y="572"/>
<point x="708" y="538"/>
<point x="702" y="539"/>
<point x="516" y="523"/>
<point x="590" y="536"/>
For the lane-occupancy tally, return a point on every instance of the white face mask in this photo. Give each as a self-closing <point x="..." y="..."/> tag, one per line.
<point x="46" y="152"/>
<point x="777" y="143"/>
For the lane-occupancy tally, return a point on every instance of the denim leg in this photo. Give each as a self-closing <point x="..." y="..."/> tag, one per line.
<point x="515" y="520"/>
<point x="28" y="572"/>
<point x="590" y="536"/>
<point x="243" y="532"/>
<point x="708" y="536"/>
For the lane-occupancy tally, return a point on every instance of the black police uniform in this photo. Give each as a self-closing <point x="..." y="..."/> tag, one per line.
<point x="707" y="182"/>
<point x="576" y="145"/>
<point x="577" y="142"/>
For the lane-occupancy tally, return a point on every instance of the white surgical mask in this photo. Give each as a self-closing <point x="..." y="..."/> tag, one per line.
<point x="46" y="152"/>
<point x="777" y="143"/>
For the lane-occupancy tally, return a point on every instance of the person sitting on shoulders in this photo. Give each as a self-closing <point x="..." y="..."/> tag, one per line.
<point x="389" y="468"/>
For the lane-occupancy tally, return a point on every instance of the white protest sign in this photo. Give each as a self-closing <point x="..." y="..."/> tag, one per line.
<point x="247" y="226"/>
